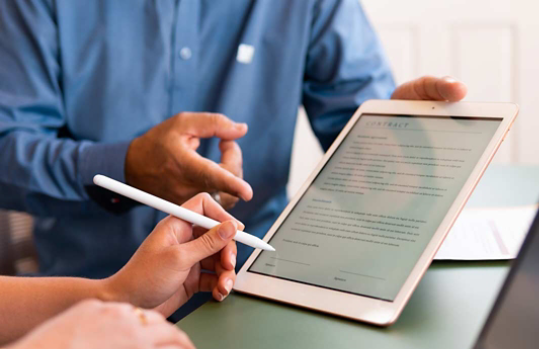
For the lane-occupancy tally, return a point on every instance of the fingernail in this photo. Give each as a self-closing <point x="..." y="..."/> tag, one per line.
<point x="241" y="126"/>
<point x="228" y="229"/>
<point x="233" y="260"/>
<point x="449" y="79"/>
<point x="221" y="297"/>
<point x="241" y="226"/>
<point x="228" y="285"/>
<point x="247" y="196"/>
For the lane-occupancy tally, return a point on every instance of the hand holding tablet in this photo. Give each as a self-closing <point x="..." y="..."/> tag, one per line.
<point x="362" y="231"/>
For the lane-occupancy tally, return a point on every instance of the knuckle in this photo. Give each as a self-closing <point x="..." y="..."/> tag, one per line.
<point x="210" y="176"/>
<point x="206" y="182"/>
<point x="204" y="169"/>
<point x="219" y="119"/>
<point x="208" y="242"/>
<point x="118" y="310"/>
<point x="181" y="120"/>
<point x="214" y="118"/>
<point x="204" y="197"/>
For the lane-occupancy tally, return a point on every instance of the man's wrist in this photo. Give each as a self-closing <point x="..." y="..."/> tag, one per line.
<point x="129" y="163"/>
<point x="101" y="158"/>
<point x="108" y="160"/>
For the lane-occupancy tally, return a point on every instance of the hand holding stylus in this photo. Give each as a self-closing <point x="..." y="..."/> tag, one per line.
<point x="174" y="210"/>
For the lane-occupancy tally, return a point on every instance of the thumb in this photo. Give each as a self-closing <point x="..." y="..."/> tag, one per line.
<point x="209" y="243"/>
<point x="431" y="88"/>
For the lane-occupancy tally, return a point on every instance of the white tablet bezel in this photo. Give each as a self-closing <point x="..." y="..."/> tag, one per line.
<point x="357" y="307"/>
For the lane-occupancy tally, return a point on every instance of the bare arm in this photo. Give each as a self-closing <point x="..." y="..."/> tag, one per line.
<point x="172" y="264"/>
<point x="26" y="302"/>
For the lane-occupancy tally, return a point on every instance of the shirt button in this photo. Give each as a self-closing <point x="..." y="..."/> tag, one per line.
<point x="185" y="53"/>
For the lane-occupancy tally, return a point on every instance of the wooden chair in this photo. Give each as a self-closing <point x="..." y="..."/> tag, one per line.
<point x="17" y="251"/>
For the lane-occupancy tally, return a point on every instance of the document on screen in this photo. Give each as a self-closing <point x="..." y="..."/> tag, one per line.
<point x="365" y="220"/>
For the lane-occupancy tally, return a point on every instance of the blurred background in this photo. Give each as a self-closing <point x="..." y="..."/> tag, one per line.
<point x="491" y="45"/>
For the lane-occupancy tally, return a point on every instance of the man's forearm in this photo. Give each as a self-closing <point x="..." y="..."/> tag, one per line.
<point x="35" y="167"/>
<point x="25" y="302"/>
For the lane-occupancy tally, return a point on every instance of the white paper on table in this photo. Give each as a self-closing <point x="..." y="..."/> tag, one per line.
<point x="487" y="233"/>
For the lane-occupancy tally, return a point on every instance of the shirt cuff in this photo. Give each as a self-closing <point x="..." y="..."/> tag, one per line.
<point x="108" y="160"/>
<point x="104" y="159"/>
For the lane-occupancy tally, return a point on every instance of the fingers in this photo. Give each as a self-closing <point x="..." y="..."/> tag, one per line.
<point x="451" y="89"/>
<point x="206" y="125"/>
<point x="208" y="244"/>
<point x="118" y="311"/>
<point x="208" y="282"/>
<point x="231" y="157"/>
<point x="226" y="259"/>
<point x="225" y="282"/>
<point x="228" y="256"/>
<point x="180" y="229"/>
<point x="149" y="317"/>
<point x="431" y="88"/>
<point x="205" y="205"/>
<point x="215" y="178"/>
<point x="219" y="284"/>
<point x="122" y="325"/>
<point x="165" y="334"/>
<point x="232" y="161"/>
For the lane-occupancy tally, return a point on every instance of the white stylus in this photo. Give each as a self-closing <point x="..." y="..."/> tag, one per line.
<point x="175" y="210"/>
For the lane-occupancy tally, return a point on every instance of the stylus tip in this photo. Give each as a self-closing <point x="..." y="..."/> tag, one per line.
<point x="268" y="248"/>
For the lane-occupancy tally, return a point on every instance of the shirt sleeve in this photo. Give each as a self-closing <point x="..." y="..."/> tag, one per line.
<point x="35" y="160"/>
<point x="345" y="66"/>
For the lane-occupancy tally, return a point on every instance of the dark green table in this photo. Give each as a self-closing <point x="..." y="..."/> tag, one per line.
<point x="447" y="309"/>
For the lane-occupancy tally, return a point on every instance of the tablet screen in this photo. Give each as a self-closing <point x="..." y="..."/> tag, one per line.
<point x="366" y="219"/>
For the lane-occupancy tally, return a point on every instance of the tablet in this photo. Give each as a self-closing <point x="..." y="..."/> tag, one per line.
<point x="361" y="232"/>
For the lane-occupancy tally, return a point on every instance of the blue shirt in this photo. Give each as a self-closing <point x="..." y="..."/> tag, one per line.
<point x="80" y="79"/>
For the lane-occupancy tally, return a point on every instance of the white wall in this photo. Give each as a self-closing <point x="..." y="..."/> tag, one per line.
<point x="491" y="45"/>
